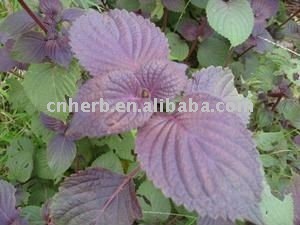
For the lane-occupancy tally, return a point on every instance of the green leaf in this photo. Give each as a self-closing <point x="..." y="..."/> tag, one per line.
<point x="268" y="141"/>
<point x="130" y="5"/>
<point x="179" y="48"/>
<point x="109" y="161"/>
<point x="20" y="160"/>
<point x="17" y="97"/>
<point x="290" y="109"/>
<point x="268" y="160"/>
<point x="33" y="214"/>
<point x="47" y="82"/>
<point x="41" y="167"/>
<point x="200" y="3"/>
<point x="212" y="51"/>
<point x="156" y="207"/>
<point x="275" y="211"/>
<point x="233" y="19"/>
<point x="123" y="145"/>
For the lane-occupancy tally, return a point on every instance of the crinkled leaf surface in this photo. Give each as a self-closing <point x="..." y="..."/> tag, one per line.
<point x="9" y="215"/>
<point x="59" y="51"/>
<point x="219" y="82"/>
<point x="96" y="197"/>
<point x="60" y="154"/>
<point x="232" y="19"/>
<point x="51" y="7"/>
<point x="58" y="81"/>
<point x="118" y="86"/>
<point x="205" y="161"/>
<point x="116" y="40"/>
<point x="157" y="79"/>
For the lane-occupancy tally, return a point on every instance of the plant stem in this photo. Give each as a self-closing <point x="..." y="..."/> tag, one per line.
<point x="288" y="19"/>
<point x="192" y="49"/>
<point x="245" y="52"/>
<point x="165" y="19"/>
<point x="32" y="15"/>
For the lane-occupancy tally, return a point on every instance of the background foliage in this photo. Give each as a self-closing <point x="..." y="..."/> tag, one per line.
<point x="268" y="76"/>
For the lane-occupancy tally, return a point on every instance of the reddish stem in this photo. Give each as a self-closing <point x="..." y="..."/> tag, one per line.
<point x="32" y="15"/>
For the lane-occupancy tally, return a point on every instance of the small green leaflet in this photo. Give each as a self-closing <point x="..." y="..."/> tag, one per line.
<point x="179" y="48"/>
<point x="232" y="19"/>
<point x="157" y="207"/>
<point x="20" y="160"/>
<point x="275" y="211"/>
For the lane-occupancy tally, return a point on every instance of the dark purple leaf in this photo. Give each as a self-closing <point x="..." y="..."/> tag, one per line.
<point x="264" y="9"/>
<point x="17" y="24"/>
<point x="51" y="8"/>
<point x="205" y="30"/>
<point x="116" y="40"/>
<point x="189" y="29"/>
<point x="30" y="48"/>
<point x="218" y="82"/>
<point x="6" y="62"/>
<point x="297" y="140"/>
<point x="9" y="215"/>
<point x="292" y="30"/>
<point x="163" y="79"/>
<point x="72" y="14"/>
<point x="296" y="198"/>
<point x="118" y="86"/>
<point x="209" y="221"/>
<point x="205" y="161"/>
<point x="96" y="197"/>
<point x="61" y="152"/>
<point x="174" y="5"/>
<point x="261" y="43"/>
<point x="53" y="124"/>
<point x="59" y="51"/>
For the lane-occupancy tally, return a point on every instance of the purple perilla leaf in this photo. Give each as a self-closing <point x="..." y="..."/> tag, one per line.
<point x="118" y="86"/>
<point x="17" y="24"/>
<point x="30" y="48"/>
<point x="209" y="221"/>
<point x="9" y="215"/>
<point x="51" y="8"/>
<point x="205" y="161"/>
<point x="163" y="79"/>
<point x="157" y="79"/>
<point x="6" y="63"/>
<point x="219" y="82"/>
<point x="59" y="51"/>
<point x="116" y="40"/>
<point x="61" y="152"/>
<point x="53" y="124"/>
<point x="96" y="197"/>
<point x="264" y="9"/>
<point x="189" y="29"/>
